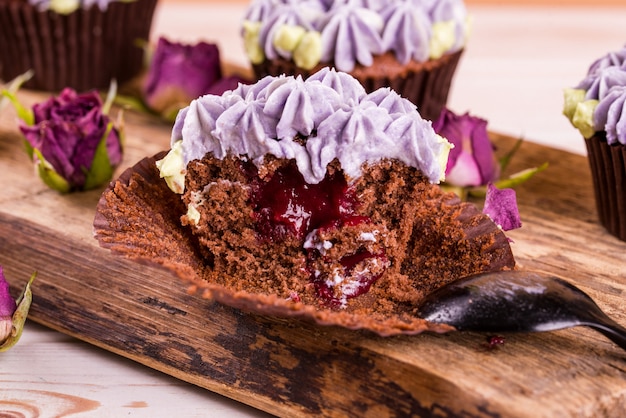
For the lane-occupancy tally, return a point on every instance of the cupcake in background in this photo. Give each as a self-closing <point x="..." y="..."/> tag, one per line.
<point x="412" y="46"/>
<point x="596" y="107"/>
<point x="82" y="44"/>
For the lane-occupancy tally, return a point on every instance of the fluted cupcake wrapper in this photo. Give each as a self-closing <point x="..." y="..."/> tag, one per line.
<point x="83" y="50"/>
<point x="608" y="171"/>
<point x="139" y="194"/>
<point x="425" y="84"/>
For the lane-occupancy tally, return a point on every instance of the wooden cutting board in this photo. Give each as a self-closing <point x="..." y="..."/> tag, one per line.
<point x="294" y="368"/>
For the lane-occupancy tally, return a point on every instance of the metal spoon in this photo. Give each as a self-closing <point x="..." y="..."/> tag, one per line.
<point x="517" y="301"/>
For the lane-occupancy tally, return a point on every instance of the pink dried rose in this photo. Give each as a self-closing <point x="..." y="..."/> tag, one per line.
<point x="13" y="313"/>
<point x="472" y="163"/>
<point x="72" y="141"/>
<point x="474" y="170"/>
<point x="179" y="73"/>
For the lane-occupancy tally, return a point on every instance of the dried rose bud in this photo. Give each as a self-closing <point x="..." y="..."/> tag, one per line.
<point x="72" y="141"/>
<point x="472" y="161"/>
<point x="472" y="164"/>
<point x="7" y="308"/>
<point x="179" y="73"/>
<point x="12" y="313"/>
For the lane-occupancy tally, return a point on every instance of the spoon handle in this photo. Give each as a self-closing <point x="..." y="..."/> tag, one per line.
<point x="610" y="329"/>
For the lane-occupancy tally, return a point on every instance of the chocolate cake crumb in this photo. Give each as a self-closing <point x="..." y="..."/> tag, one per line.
<point x="421" y="230"/>
<point x="414" y="238"/>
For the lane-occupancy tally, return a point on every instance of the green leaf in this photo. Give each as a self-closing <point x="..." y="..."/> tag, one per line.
<point x="10" y="93"/>
<point x="29" y="149"/>
<point x="48" y="174"/>
<point x="169" y="114"/>
<point x="506" y="158"/>
<point x="133" y="103"/>
<point x="20" y="315"/>
<point x="111" y="94"/>
<point x="101" y="169"/>
<point x="520" y="177"/>
<point x="23" y="113"/>
<point x="510" y="182"/>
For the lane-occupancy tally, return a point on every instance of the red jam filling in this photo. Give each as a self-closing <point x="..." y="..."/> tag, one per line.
<point x="353" y="282"/>
<point x="287" y="206"/>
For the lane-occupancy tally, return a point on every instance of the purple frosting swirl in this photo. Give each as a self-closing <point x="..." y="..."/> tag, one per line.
<point x="312" y="122"/>
<point x="606" y="82"/>
<point x="405" y="18"/>
<point x="283" y="14"/>
<point x="353" y="31"/>
<point x="610" y="114"/>
<point x="351" y="34"/>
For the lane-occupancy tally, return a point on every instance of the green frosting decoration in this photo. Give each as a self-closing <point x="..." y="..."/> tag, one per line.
<point x="251" y="42"/>
<point x="443" y="38"/>
<point x="287" y="37"/>
<point x="583" y="117"/>
<point x="64" y="7"/>
<point x="571" y="99"/>
<point x="308" y="53"/>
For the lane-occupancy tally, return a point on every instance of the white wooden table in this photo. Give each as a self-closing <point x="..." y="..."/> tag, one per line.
<point x="516" y="64"/>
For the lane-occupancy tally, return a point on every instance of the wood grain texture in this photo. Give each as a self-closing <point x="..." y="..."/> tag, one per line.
<point x="292" y="367"/>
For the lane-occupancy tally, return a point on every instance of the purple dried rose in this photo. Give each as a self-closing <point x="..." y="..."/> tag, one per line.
<point x="472" y="161"/>
<point x="13" y="313"/>
<point x="7" y="304"/>
<point x="474" y="170"/>
<point x="179" y="73"/>
<point x="71" y="139"/>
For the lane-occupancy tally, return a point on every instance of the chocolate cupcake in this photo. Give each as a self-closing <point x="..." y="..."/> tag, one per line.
<point x="596" y="108"/>
<point x="411" y="46"/>
<point x="307" y="198"/>
<point x="83" y="47"/>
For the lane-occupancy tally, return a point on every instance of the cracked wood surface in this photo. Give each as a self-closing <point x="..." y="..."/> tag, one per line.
<point x="290" y="367"/>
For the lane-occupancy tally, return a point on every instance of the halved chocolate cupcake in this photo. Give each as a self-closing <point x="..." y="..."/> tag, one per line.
<point x="296" y="198"/>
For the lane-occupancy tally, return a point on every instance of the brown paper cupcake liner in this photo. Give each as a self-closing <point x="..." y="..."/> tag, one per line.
<point x="608" y="172"/>
<point x="425" y="84"/>
<point x="138" y="217"/>
<point x="83" y="50"/>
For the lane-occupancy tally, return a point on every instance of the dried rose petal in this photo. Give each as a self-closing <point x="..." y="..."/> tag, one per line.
<point x="501" y="207"/>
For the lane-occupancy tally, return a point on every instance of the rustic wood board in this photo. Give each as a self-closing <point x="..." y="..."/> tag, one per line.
<point x="295" y="368"/>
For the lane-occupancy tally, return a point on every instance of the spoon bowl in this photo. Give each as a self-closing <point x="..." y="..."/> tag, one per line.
<point x="517" y="301"/>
